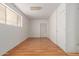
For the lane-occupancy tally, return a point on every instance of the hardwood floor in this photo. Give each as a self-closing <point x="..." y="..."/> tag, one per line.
<point x="36" y="47"/>
<point x="73" y="54"/>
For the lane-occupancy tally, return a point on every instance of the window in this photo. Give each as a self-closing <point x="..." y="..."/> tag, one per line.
<point x="2" y="14"/>
<point x="11" y="17"/>
<point x="19" y="21"/>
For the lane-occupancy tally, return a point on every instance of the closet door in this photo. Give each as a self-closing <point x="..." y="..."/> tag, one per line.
<point x="61" y="26"/>
<point x="2" y="14"/>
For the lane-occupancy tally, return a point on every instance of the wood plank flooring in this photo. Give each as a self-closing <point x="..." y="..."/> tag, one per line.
<point x="73" y="54"/>
<point x="36" y="47"/>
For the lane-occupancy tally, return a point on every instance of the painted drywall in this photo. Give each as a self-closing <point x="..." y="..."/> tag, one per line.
<point x="63" y="27"/>
<point x="35" y="27"/>
<point x="52" y="27"/>
<point x="57" y="26"/>
<point x="72" y="27"/>
<point x="77" y="27"/>
<point x="10" y="36"/>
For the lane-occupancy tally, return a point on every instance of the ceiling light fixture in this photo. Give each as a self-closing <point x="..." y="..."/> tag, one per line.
<point x="36" y="8"/>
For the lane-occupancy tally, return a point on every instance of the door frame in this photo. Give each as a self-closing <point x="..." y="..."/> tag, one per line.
<point x="46" y="30"/>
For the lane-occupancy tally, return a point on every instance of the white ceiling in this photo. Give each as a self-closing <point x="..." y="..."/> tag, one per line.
<point x="45" y="12"/>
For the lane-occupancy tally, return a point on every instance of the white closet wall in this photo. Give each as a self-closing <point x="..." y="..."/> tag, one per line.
<point x="52" y="27"/>
<point x="61" y="26"/>
<point x="65" y="20"/>
<point x="57" y="27"/>
<point x="72" y="26"/>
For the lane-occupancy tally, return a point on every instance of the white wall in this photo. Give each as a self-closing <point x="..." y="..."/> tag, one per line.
<point x="64" y="27"/>
<point x="52" y="27"/>
<point x="57" y="26"/>
<point x="61" y="26"/>
<point x="72" y="27"/>
<point x="77" y="27"/>
<point x="10" y="36"/>
<point x="35" y="27"/>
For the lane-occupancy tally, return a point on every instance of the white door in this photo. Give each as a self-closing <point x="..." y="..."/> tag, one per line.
<point x="43" y="30"/>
